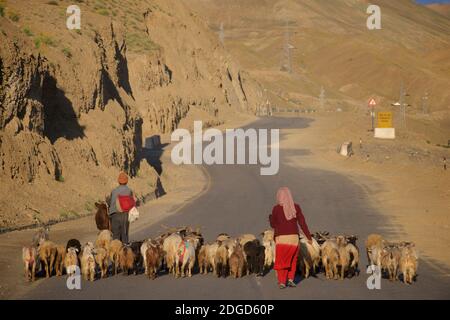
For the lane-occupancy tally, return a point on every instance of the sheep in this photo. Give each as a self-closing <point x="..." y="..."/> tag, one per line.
<point x="153" y="256"/>
<point x="230" y="244"/>
<point x="71" y="260"/>
<point x="144" y="246"/>
<point x="374" y="245"/>
<point x="29" y="257"/>
<point x="185" y="258"/>
<point x="268" y="235"/>
<point x="237" y="262"/>
<point x="47" y="254"/>
<point x="40" y="235"/>
<point x="309" y="256"/>
<point x="103" y="240"/>
<point x="59" y="260"/>
<point x="114" y="249"/>
<point x="126" y="259"/>
<point x="88" y="262"/>
<point x="255" y="257"/>
<point x="344" y="255"/>
<point x="269" y="253"/>
<point x="221" y="261"/>
<point x="102" y="259"/>
<point x="211" y="251"/>
<point x="74" y="243"/>
<point x="170" y="247"/>
<point x="408" y="264"/>
<point x="330" y="258"/>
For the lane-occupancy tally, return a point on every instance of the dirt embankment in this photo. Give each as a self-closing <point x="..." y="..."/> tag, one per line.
<point x="77" y="105"/>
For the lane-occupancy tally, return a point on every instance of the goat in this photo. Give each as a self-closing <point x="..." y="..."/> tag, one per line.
<point x="185" y="258"/>
<point x="103" y="240"/>
<point x="126" y="259"/>
<point x="88" y="262"/>
<point x="330" y="258"/>
<point x="59" y="260"/>
<point x="237" y="262"/>
<point x="71" y="260"/>
<point x="114" y="249"/>
<point x="29" y="257"/>
<point x="102" y="259"/>
<point x="101" y="217"/>
<point x="221" y="261"/>
<point x="47" y="254"/>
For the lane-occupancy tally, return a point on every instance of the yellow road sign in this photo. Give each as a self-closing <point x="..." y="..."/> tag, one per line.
<point x="384" y="120"/>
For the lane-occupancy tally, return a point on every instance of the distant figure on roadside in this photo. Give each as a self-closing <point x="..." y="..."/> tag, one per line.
<point x="360" y="143"/>
<point x="285" y="218"/>
<point x="122" y="200"/>
<point x="445" y="163"/>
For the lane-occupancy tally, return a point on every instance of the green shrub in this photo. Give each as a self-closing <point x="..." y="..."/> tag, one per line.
<point x="53" y="3"/>
<point x="67" y="52"/>
<point x="14" y="16"/>
<point x="27" y="31"/>
<point x="2" y="10"/>
<point x="47" y="40"/>
<point x="37" y="43"/>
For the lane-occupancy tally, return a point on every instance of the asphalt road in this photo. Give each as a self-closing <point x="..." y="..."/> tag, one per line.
<point x="239" y="201"/>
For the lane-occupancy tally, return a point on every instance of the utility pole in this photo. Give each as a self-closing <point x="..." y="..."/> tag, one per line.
<point x="221" y="34"/>
<point x="403" y="104"/>
<point x="322" y="98"/>
<point x="287" y="47"/>
<point x="425" y="103"/>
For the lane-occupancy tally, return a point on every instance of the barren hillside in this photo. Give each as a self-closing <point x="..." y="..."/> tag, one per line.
<point x="77" y="104"/>
<point x="333" y="49"/>
<point x="441" y="8"/>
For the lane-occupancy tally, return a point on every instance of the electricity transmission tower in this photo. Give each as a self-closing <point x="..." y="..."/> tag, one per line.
<point x="287" y="47"/>
<point x="425" y="103"/>
<point x="403" y="104"/>
<point x="322" y="97"/>
<point x="221" y="34"/>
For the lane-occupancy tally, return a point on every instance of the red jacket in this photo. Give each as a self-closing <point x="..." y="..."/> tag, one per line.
<point x="282" y="226"/>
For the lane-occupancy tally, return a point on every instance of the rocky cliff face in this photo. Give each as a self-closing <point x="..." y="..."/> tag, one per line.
<point x="76" y="105"/>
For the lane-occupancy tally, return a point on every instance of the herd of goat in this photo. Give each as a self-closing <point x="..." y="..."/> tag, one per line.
<point x="182" y="250"/>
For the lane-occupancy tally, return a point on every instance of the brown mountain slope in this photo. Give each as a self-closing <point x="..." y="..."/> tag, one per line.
<point x="76" y="105"/>
<point x="441" y="8"/>
<point x="333" y="48"/>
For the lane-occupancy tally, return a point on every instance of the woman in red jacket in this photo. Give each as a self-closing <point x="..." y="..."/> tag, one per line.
<point x="285" y="218"/>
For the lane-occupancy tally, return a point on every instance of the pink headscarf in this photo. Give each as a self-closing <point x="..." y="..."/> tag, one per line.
<point x="284" y="199"/>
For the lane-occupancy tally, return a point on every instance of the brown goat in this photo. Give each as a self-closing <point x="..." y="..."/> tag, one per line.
<point x="153" y="260"/>
<point x="237" y="262"/>
<point x="59" y="260"/>
<point x="101" y="217"/>
<point x="114" y="249"/>
<point x="126" y="259"/>
<point x="47" y="254"/>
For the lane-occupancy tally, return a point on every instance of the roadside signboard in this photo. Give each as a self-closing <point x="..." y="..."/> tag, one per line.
<point x="372" y="103"/>
<point x="384" y="120"/>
